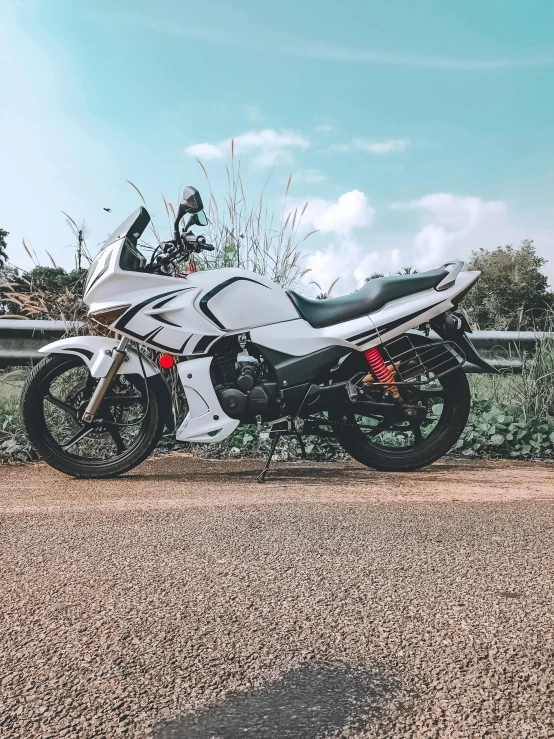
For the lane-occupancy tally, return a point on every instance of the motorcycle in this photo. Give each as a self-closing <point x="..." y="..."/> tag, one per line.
<point x="363" y="368"/>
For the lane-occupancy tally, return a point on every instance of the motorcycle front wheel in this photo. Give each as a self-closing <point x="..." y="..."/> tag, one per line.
<point x="127" y="428"/>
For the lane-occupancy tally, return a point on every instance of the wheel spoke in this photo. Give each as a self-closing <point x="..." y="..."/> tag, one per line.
<point x="81" y="434"/>
<point x="438" y="393"/>
<point x="117" y="438"/>
<point x="61" y="405"/>
<point x="416" y="430"/>
<point x="385" y="424"/>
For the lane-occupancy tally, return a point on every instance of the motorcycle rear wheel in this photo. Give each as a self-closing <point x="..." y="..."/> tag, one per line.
<point x="126" y="431"/>
<point x="413" y="447"/>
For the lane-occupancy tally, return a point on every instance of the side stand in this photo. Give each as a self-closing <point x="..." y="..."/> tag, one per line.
<point x="302" y="446"/>
<point x="274" y="440"/>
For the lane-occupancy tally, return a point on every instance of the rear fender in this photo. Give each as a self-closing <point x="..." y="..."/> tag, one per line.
<point x="453" y="327"/>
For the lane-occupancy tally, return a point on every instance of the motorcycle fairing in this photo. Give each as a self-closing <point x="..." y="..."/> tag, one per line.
<point x="205" y="422"/>
<point x="185" y="316"/>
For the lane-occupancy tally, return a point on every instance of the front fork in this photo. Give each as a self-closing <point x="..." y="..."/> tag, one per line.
<point x="119" y="355"/>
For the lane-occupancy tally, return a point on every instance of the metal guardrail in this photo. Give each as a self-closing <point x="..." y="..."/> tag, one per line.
<point x="20" y="341"/>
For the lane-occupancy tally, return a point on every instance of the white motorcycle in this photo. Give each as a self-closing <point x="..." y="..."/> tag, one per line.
<point x="361" y="368"/>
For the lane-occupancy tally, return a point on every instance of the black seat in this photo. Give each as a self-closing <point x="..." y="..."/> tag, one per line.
<point x="368" y="299"/>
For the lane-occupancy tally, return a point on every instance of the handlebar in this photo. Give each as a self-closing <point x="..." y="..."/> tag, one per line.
<point x="172" y="251"/>
<point x="198" y="243"/>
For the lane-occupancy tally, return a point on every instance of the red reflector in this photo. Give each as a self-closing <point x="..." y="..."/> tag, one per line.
<point x="166" y="361"/>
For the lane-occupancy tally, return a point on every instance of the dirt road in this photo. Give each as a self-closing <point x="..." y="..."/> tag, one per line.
<point x="186" y="600"/>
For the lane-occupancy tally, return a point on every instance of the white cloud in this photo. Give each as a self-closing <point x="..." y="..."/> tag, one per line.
<point x="206" y="151"/>
<point x="350" y="211"/>
<point x="264" y="146"/>
<point x="310" y="176"/>
<point x="343" y="261"/>
<point x="454" y="210"/>
<point x="448" y="227"/>
<point x="324" y="128"/>
<point x="451" y="226"/>
<point x="385" y="146"/>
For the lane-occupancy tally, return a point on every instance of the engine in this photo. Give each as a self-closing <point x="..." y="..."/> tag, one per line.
<point x="240" y="381"/>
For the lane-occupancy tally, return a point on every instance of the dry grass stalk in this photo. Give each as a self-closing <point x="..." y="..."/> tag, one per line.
<point x="247" y="236"/>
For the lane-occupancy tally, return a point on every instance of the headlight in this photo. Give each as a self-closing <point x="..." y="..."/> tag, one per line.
<point x="109" y="315"/>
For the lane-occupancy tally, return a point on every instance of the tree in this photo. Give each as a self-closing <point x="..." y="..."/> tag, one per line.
<point x="53" y="280"/>
<point x="3" y="248"/>
<point x="512" y="293"/>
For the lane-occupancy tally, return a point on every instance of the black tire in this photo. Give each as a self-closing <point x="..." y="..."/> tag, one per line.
<point x="455" y="411"/>
<point x="35" y="418"/>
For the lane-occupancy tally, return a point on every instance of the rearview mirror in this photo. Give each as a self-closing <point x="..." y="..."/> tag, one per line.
<point x="197" y="219"/>
<point x="191" y="202"/>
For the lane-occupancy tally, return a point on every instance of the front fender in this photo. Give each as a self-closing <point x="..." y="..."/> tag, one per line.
<point x="93" y="351"/>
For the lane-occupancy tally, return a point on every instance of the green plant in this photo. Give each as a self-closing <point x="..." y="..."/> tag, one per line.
<point x="46" y="293"/>
<point x="324" y="294"/>
<point x="534" y="387"/>
<point x="14" y="445"/>
<point x="499" y="430"/>
<point x="245" y="442"/>
<point x="512" y="293"/>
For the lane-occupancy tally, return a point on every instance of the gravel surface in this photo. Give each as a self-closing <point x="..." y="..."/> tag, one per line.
<point x="186" y="601"/>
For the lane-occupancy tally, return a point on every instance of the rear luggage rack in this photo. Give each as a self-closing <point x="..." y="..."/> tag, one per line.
<point x="410" y="361"/>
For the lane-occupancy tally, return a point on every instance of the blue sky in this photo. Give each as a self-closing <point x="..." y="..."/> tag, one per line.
<point x="417" y="131"/>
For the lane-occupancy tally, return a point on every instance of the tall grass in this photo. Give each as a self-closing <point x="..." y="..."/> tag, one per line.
<point x="247" y="233"/>
<point x="531" y="391"/>
<point x="534" y="388"/>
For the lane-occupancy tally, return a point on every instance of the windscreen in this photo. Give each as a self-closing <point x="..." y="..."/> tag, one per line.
<point x="130" y="258"/>
<point x="133" y="227"/>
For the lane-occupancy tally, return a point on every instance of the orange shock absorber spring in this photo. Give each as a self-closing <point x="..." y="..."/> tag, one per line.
<point x="383" y="373"/>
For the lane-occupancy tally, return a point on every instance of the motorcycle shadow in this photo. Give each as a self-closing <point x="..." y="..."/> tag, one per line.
<point x="245" y="471"/>
<point x="280" y="472"/>
<point x="313" y="700"/>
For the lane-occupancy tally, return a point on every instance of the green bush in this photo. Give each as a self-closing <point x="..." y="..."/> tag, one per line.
<point x="245" y="442"/>
<point x="14" y="445"/>
<point x="500" y="430"/>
